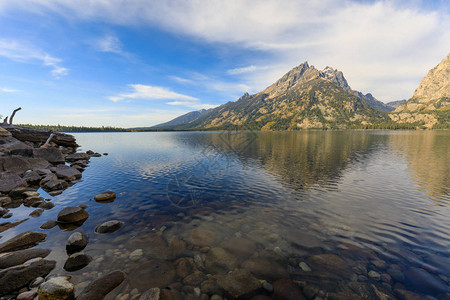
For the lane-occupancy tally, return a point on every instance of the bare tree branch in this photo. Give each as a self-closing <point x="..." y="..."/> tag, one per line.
<point x="13" y="114"/>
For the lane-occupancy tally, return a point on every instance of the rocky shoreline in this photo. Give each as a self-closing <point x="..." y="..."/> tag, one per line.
<point x="25" y="167"/>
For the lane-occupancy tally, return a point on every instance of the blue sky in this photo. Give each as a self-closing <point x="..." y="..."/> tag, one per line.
<point x="139" y="63"/>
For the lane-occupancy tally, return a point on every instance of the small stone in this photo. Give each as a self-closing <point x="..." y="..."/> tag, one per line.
<point x="76" y="242"/>
<point x="107" y="196"/>
<point x="151" y="294"/>
<point x="304" y="267"/>
<point x="37" y="282"/>
<point x="374" y="275"/>
<point x="49" y="224"/>
<point x="27" y="295"/>
<point x="267" y="286"/>
<point x="386" y="278"/>
<point x="109" y="226"/>
<point x="136" y="254"/>
<point x="46" y="205"/>
<point x="31" y="194"/>
<point x="56" y="288"/>
<point x="36" y="213"/>
<point x="83" y="206"/>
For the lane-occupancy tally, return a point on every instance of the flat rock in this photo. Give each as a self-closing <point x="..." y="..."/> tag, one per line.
<point x="77" y="261"/>
<point x="240" y="247"/>
<point x="10" y="181"/>
<point x="56" y="288"/>
<point x="109" y="226"/>
<point x="53" y="184"/>
<point x="329" y="262"/>
<point x="107" y="196"/>
<point x="16" y="277"/>
<point x="77" y="156"/>
<point x="22" y="241"/>
<point x="31" y="177"/>
<point x="19" y="164"/>
<point x="201" y="237"/>
<point x="286" y="289"/>
<point x="265" y="269"/>
<point x="10" y="143"/>
<point x="76" y="242"/>
<point x="4" y="133"/>
<point x="49" y="224"/>
<point x="302" y="239"/>
<point x="72" y="214"/>
<point x="155" y="272"/>
<point x="5" y="200"/>
<point x="51" y="154"/>
<point x="19" y="257"/>
<point x="30" y="295"/>
<point x="239" y="284"/>
<point x="102" y="286"/>
<point x="218" y="260"/>
<point x="67" y="173"/>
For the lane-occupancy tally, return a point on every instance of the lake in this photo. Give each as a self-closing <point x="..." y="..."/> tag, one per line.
<point x="339" y="212"/>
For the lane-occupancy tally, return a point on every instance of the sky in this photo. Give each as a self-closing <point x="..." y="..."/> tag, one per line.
<point x="138" y="63"/>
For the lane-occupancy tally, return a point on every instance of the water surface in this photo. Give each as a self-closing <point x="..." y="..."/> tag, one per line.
<point x="379" y="200"/>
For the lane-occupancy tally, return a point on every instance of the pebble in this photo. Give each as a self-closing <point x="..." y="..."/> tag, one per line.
<point x="136" y="254"/>
<point x="374" y="275"/>
<point x="304" y="267"/>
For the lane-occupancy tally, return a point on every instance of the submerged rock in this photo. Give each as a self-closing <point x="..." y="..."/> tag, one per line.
<point x="265" y="269"/>
<point x="219" y="260"/>
<point x="101" y="287"/>
<point x="107" y="196"/>
<point x="22" y="241"/>
<point x="36" y="213"/>
<point x="76" y="242"/>
<point x="72" y="214"/>
<point x="286" y="289"/>
<point x="201" y="237"/>
<point x="109" y="226"/>
<point x="77" y="261"/>
<point x="49" y="224"/>
<point x="151" y="294"/>
<point x="56" y="288"/>
<point x="155" y="272"/>
<point x="19" y="257"/>
<point x="239" y="284"/>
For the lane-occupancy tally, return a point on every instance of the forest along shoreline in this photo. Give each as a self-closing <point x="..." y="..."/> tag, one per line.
<point x="31" y="159"/>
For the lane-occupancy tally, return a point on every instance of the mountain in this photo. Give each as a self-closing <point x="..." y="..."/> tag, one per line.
<point x="305" y="97"/>
<point x="183" y="119"/>
<point x="430" y="103"/>
<point x="338" y="78"/>
<point x="395" y="104"/>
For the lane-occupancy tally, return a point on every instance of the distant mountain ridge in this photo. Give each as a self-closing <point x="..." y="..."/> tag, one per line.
<point x="307" y="98"/>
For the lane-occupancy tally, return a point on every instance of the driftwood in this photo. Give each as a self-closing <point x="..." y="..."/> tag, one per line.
<point x="38" y="136"/>
<point x="48" y="140"/>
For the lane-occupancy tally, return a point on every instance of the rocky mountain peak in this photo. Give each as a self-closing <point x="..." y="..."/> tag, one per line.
<point x="245" y="96"/>
<point x="437" y="82"/>
<point x="301" y="73"/>
<point x="337" y="77"/>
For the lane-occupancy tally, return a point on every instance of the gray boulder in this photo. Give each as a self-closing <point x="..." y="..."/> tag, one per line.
<point x="67" y="173"/>
<point x="72" y="214"/>
<point x="77" y="156"/>
<point x="50" y="154"/>
<point x="31" y="177"/>
<point x="76" y="242"/>
<point x="55" y="185"/>
<point x="10" y="181"/>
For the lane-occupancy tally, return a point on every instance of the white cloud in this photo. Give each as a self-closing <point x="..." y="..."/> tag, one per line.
<point x="349" y="35"/>
<point x="242" y="70"/>
<point x="109" y="43"/>
<point x="192" y="104"/>
<point x="23" y="52"/>
<point x="140" y="91"/>
<point x="6" y="90"/>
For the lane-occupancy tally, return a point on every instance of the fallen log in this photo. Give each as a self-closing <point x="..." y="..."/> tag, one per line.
<point x="41" y="136"/>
